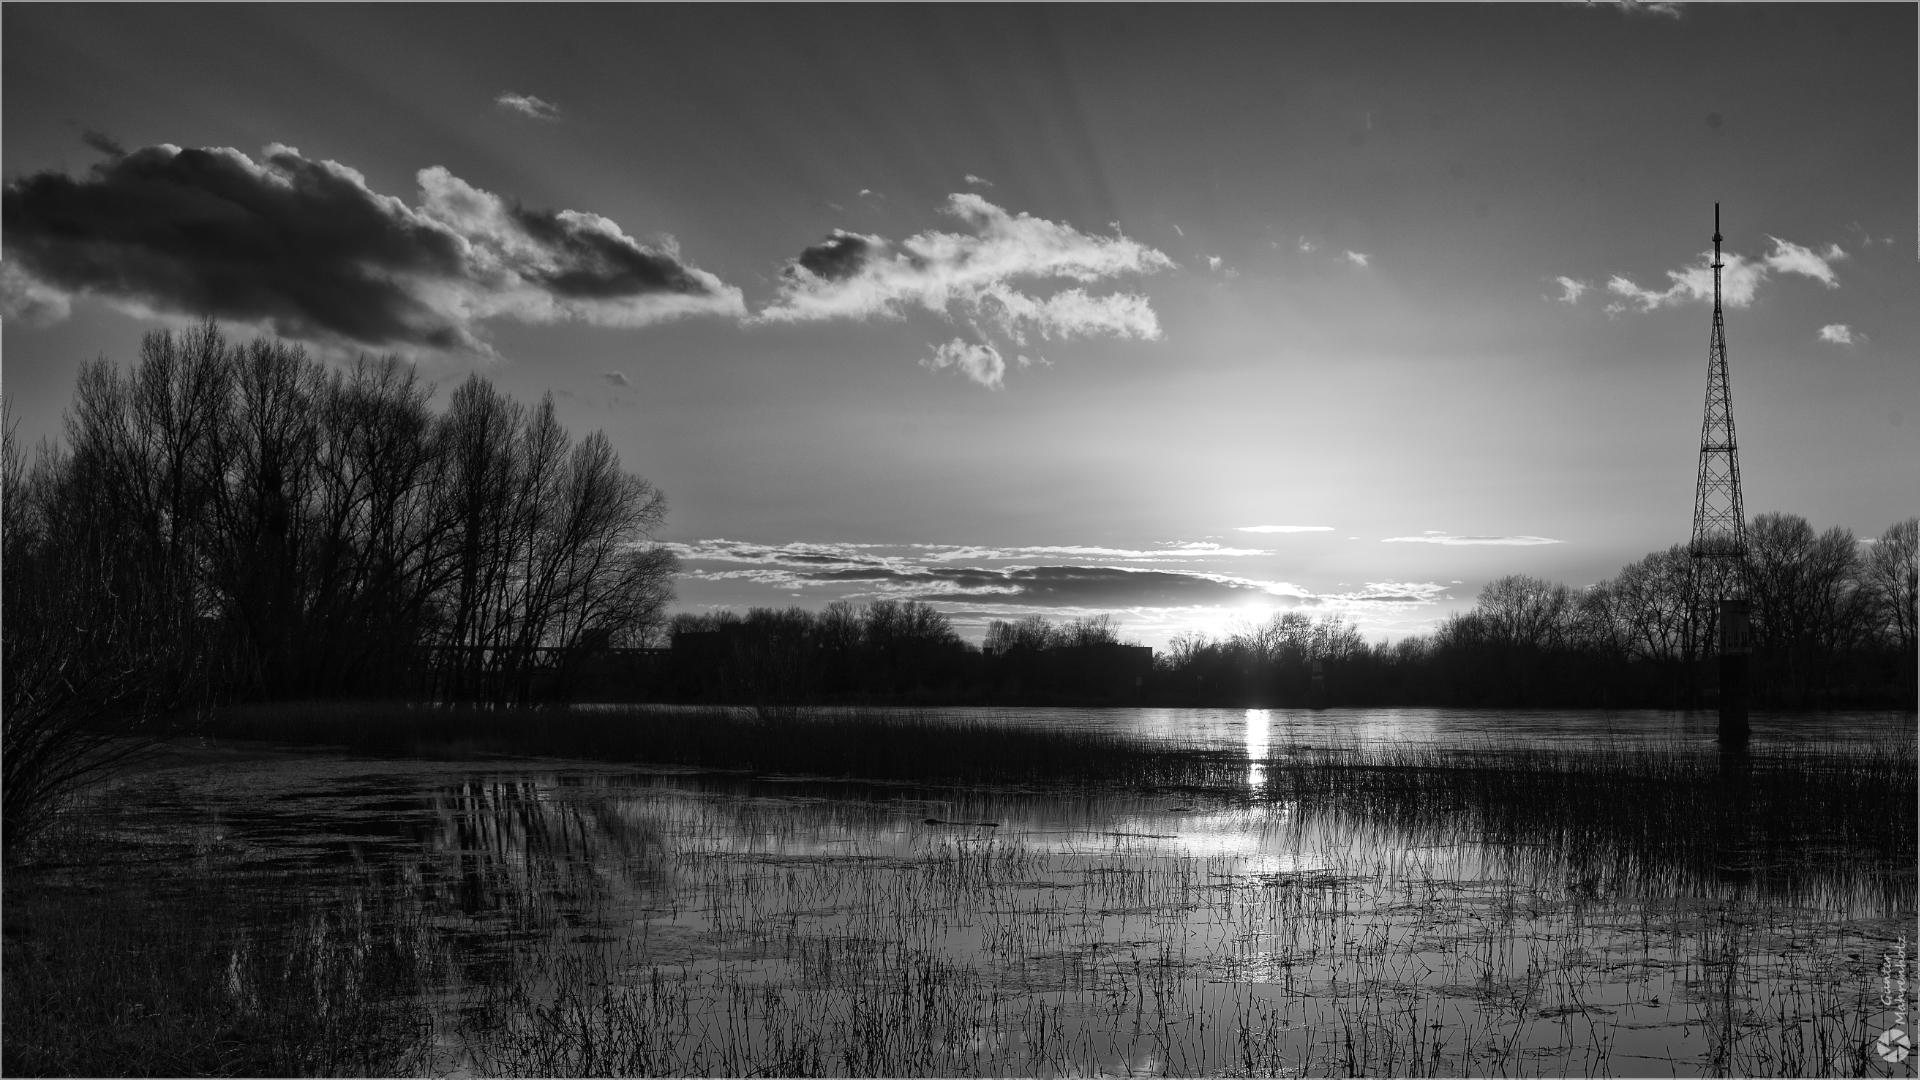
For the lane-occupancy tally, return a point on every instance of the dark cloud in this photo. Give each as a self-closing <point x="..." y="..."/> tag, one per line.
<point x="308" y="248"/>
<point x="1037" y="586"/>
<point x="1103" y="586"/>
<point x="594" y="265"/>
<point x="838" y="257"/>
<point x="936" y="573"/>
<point x="104" y="143"/>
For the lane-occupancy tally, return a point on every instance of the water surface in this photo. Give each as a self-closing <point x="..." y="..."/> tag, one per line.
<point x="615" y="919"/>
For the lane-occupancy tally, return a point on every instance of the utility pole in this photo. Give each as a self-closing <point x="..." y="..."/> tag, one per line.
<point x="1719" y="545"/>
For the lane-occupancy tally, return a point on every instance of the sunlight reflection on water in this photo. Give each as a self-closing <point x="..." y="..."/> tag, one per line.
<point x="1411" y="727"/>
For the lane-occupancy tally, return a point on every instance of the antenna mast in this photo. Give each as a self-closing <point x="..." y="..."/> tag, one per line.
<point x="1719" y="515"/>
<point x="1719" y="545"/>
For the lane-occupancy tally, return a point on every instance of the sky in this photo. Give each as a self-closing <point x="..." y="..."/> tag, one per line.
<point x="1185" y="315"/>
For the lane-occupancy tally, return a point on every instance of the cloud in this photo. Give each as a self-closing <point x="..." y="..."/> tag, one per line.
<point x="529" y="106"/>
<point x="1570" y="289"/>
<point x="617" y="378"/>
<point x="1306" y="245"/>
<point x="23" y="298"/>
<point x="1740" y="278"/>
<point x="1213" y="262"/>
<point x="1358" y="259"/>
<point x="306" y="247"/>
<point x="1463" y="541"/>
<point x="905" y="556"/>
<point x="1669" y="8"/>
<point x="979" y="181"/>
<point x="1060" y="580"/>
<point x="104" y="143"/>
<point x="831" y="566"/>
<point x="981" y="363"/>
<point x="1837" y="333"/>
<point x="1282" y="528"/>
<point x="972" y="275"/>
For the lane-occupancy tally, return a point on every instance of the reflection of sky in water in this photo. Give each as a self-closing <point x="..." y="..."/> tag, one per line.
<point x="1457" y="728"/>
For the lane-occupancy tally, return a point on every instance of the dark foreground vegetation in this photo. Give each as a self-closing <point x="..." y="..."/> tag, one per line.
<point x="131" y="973"/>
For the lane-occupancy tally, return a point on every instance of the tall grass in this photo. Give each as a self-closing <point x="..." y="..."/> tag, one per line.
<point x="1504" y="910"/>
<point x="120" y="977"/>
<point x="1674" y="812"/>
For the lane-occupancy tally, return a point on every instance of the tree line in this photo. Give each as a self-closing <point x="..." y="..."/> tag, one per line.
<point x="885" y="651"/>
<point x="1832" y="625"/>
<point x="227" y="520"/>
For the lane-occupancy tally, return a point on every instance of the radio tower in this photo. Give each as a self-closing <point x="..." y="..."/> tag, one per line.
<point x="1719" y="545"/>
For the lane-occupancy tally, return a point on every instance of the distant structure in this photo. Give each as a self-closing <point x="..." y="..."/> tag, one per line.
<point x="1719" y="545"/>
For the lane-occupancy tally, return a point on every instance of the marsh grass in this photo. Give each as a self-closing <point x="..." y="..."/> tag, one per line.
<point x="1663" y="813"/>
<point x="988" y="955"/>
<point x="1504" y="910"/>
<point x="122" y="975"/>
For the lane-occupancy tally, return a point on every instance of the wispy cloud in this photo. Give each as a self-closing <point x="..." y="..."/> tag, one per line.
<point x="1463" y="541"/>
<point x="996" y="582"/>
<point x="617" y="378"/>
<point x="979" y="181"/>
<point x="1282" y="528"/>
<point x="1741" y="277"/>
<point x="903" y="555"/>
<point x="850" y="275"/>
<point x="1669" y="8"/>
<point x="858" y="571"/>
<point x="529" y="106"/>
<point x="308" y="248"/>
<point x="1570" y="289"/>
<point x="981" y="363"/>
<point x="1837" y="334"/>
<point x="981" y="275"/>
<point x="1358" y="259"/>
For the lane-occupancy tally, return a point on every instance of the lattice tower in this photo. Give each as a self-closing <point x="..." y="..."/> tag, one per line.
<point x="1719" y="545"/>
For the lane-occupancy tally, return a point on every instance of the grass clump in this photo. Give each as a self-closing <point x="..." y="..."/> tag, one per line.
<point x="1669" y="813"/>
<point x="127" y="975"/>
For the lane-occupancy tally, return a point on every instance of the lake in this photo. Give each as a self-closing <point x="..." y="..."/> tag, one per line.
<point x="577" y="917"/>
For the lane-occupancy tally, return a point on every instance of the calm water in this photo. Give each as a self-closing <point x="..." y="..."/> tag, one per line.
<point x="1261" y="729"/>
<point x="704" y="923"/>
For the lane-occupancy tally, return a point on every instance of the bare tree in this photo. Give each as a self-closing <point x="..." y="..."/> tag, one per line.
<point x="1806" y="601"/>
<point x="1893" y="581"/>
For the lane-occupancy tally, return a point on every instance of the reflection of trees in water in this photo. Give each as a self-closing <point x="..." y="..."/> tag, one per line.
<point x="535" y="852"/>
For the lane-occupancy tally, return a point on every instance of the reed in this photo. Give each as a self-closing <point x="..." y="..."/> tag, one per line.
<point x="222" y="977"/>
<point x="1503" y="910"/>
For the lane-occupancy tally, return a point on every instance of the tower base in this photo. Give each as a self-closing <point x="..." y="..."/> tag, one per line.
<point x="1735" y="658"/>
